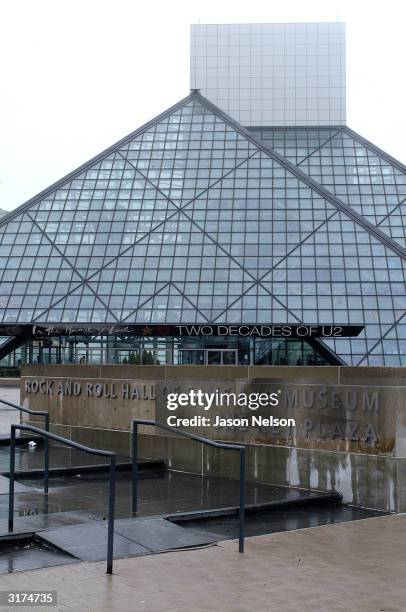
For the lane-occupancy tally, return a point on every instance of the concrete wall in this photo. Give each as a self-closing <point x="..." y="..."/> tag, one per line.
<point x="350" y="432"/>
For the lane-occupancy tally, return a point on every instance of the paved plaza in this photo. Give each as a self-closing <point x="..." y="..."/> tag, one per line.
<point x="353" y="567"/>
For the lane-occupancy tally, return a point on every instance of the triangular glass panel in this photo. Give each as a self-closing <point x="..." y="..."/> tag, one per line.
<point x="259" y="213"/>
<point x="341" y="275"/>
<point x="81" y="306"/>
<point x="186" y="152"/>
<point x="361" y="178"/>
<point x="103" y="216"/>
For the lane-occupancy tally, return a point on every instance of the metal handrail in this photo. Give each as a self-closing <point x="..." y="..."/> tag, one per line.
<point x="45" y="414"/>
<point x="86" y="449"/>
<point x="186" y="434"/>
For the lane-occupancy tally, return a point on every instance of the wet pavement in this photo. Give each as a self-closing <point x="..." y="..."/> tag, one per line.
<point x="71" y="519"/>
<point x="77" y="503"/>
<point x="350" y="567"/>
<point x="31" y="459"/>
<point x="31" y="554"/>
<point x="73" y="515"/>
<point x="172" y="492"/>
<point x="168" y="493"/>
<point x="18" y="487"/>
<point x="83" y="534"/>
<point x="274" y="521"/>
<point x="131" y="537"/>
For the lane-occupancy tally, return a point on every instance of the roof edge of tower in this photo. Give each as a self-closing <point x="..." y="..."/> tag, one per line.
<point x="9" y="216"/>
<point x="286" y="128"/>
<point x="344" y="128"/>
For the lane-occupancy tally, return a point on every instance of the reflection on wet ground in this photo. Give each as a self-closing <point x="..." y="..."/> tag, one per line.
<point x="83" y="498"/>
<point x="30" y="554"/>
<point x="73" y="514"/>
<point x="59" y="457"/>
<point x="169" y="493"/>
<point x="282" y="520"/>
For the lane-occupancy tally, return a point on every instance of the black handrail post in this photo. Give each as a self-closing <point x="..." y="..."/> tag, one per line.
<point x="242" y="501"/>
<point x="46" y="456"/>
<point x="11" y="478"/>
<point x="135" y="467"/>
<point x="110" y="527"/>
<point x="72" y="444"/>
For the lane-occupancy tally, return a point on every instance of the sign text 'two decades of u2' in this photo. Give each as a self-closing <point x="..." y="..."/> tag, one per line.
<point x="186" y="330"/>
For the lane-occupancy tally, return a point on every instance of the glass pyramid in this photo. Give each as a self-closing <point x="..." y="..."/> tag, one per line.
<point x="355" y="170"/>
<point x="192" y="219"/>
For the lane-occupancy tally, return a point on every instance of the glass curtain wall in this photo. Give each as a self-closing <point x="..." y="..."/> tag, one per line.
<point x="128" y="350"/>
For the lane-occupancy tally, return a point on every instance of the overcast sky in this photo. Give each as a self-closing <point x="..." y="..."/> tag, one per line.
<point x="77" y="75"/>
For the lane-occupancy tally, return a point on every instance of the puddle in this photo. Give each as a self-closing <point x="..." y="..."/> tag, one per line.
<point x="18" y="554"/>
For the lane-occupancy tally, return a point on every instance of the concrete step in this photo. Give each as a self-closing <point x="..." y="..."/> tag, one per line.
<point x="312" y="498"/>
<point x="147" y="468"/>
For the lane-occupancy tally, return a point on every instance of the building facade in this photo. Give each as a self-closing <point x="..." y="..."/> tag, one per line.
<point x="279" y="74"/>
<point x="242" y="236"/>
<point x="199" y="240"/>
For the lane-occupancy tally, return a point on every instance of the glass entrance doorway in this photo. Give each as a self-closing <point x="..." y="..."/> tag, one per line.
<point x="208" y="357"/>
<point x="221" y="357"/>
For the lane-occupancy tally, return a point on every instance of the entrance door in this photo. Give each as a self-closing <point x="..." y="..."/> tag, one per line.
<point x="221" y="357"/>
<point x="229" y="357"/>
<point x="191" y="357"/>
